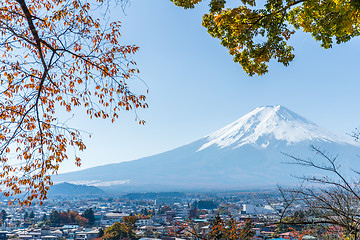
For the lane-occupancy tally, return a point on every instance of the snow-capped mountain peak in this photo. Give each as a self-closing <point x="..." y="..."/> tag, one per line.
<point x="264" y="125"/>
<point x="243" y="155"/>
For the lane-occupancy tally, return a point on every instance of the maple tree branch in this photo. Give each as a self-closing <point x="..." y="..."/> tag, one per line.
<point x="54" y="55"/>
<point x="38" y="41"/>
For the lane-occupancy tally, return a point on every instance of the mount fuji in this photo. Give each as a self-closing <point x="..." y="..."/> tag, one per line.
<point x="245" y="154"/>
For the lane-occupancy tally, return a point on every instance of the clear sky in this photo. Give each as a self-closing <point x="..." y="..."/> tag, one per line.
<point x="195" y="88"/>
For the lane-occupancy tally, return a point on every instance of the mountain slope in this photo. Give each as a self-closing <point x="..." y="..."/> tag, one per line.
<point x="74" y="190"/>
<point x="266" y="123"/>
<point x="244" y="154"/>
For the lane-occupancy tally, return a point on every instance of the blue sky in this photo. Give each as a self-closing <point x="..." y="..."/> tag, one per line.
<point x="195" y="88"/>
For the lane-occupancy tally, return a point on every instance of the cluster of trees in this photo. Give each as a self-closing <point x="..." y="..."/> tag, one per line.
<point x="71" y="217"/>
<point x="29" y="216"/>
<point x="146" y="213"/>
<point x="124" y="230"/>
<point x="219" y="229"/>
<point x="229" y="229"/>
<point x="89" y="215"/>
<point x="4" y="216"/>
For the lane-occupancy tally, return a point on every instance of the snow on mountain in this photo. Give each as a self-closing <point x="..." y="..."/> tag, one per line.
<point x="266" y="123"/>
<point x="245" y="154"/>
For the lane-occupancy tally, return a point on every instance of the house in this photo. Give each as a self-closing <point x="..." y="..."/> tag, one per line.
<point x="93" y="234"/>
<point x="144" y="222"/>
<point x="114" y="217"/>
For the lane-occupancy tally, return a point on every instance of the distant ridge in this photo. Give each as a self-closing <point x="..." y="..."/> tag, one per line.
<point x="245" y="154"/>
<point x="70" y="189"/>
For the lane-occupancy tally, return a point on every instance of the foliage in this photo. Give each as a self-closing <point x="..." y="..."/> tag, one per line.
<point x="56" y="56"/>
<point x="230" y="229"/>
<point x="123" y="230"/>
<point x="3" y="214"/>
<point x="32" y="215"/>
<point x="130" y="222"/>
<point x="101" y="233"/>
<point x="222" y="229"/>
<point x="256" y="34"/>
<point x="69" y="217"/>
<point x="89" y="215"/>
<point x="54" y="217"/>
<point x="144" y="213"/>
